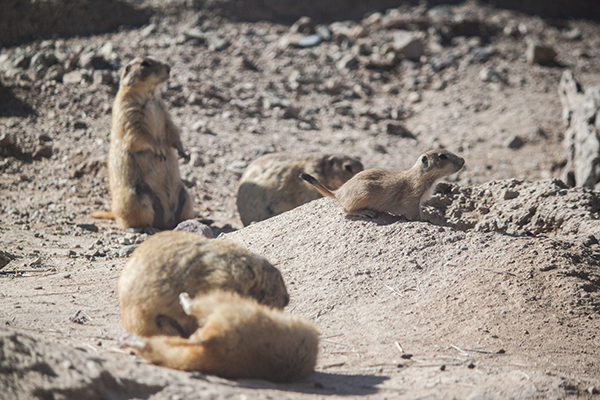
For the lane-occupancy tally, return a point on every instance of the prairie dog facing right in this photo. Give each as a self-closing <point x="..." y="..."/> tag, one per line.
<point x="238" y="338"/>
<point x="145" y="185"/>
<point x="170" y="262"/>
<point x="270" y="184"/>
<point x="394" y="192"/>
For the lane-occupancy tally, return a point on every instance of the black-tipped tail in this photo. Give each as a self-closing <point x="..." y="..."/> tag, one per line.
<point x="318" y="185"/>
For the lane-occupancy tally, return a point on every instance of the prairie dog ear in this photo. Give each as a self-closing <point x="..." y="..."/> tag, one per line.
<point x="425" y="160"/>
<point x="127" y="77"/>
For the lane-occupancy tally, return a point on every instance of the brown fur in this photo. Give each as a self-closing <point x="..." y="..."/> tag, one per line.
<point x="394" y="192"/>
<point x="170" y="263"/>
<point x="238" y="338"/>
<point x="270" y="184"/>
<point x="145" y="185"/>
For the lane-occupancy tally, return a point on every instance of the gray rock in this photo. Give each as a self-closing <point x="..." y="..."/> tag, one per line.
<point x="237" y="167"/>
<point x="310" y="41"/>
<point x="91" y="60"/>
<point x="42" y="151"/>
<point x="539" y="54"/>
<point x="489" y="75"/>
<point x="348" y="61"/>
<point x="6" y="140"/>
<point x="5" y="258"/>
<point x="303" y="25"/>
<point x="72" y="78"/>
<point x="408" y="45"/>
<point x="196" y="227"/>
<point x="126" y="251"/>
<point x="218" y="43"/>
<point x="101" y="77"/>
<point x="515" y="142"/>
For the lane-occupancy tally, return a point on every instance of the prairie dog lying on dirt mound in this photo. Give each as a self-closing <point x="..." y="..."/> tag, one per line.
<point x="394" y="192"/>
<point x="270" y="184"/>
<point x="238" y="338"/>
<point x="145" y="185"/>
<point x="169" y="263"/>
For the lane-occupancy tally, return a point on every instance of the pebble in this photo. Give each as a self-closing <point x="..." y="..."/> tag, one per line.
<point x="489" y="75"/>
<point x="237" y="167"/>
<point x="6" y="140"/>
<point x="397" y="129"/>
<point x="126" y="251"/>
<point x="88" y="227"/>
<point x="470" y="365"/>
<point x="348" y="61"/>
<point x="196" y="227"/>
<point x="510" y="194"/>
<point x="310" y="41"/>
<point x="72" y="78"/>
<point x="540" y="54"/>
<point x="71" y="254"/>
<point x="514" y="142"/>
<point x="42" y="151"/>
<point x="303" y="25"/>
<point x="408" y="45"/>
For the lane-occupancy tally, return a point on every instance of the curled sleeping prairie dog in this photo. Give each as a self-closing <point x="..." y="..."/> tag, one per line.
<point x="145" y="184"/>
<point x="237" y="338"/>
<point x="394" y="192"/>
<point x="169" y="263"/>
<point x="270" y="184"/>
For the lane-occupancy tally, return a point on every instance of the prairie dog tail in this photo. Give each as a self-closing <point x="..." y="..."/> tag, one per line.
<point x="318" y="185"/>
<point x="103" y="215"/>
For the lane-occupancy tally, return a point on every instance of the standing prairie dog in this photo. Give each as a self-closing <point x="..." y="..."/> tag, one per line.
<point x="146" y="189"/>
<point x="394" y="192"/>
<point x="270" y="184"/>
<point x="237" y="338"/>
<point x="170" y="262"/>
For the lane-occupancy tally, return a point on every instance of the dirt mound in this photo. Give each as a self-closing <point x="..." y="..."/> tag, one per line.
<point x="517" y="207"/>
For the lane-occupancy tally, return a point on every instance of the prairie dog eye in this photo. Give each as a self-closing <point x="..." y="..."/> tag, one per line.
<point x="424" y="160"/>
<point x="145" y="64"/>
<point x="348" y="168"/>
<point x="443" y="156"/>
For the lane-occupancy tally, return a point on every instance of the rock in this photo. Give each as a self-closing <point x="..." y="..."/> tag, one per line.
<point x="5" y="258"/>
<point x="573" y="34"/>
<point x="324" y="32"/>
<point x="101" y="77"/>
<point x="510" y="194"/>
<point x="397" y="129"/>
<point x="489" y="75"/>
<point x="55" y="73"/>
<point x="22" y="61"/>
<point x="44" y="137"/>
<point x="310" y="41"/>
<point x="514" y="142"/>
<point x="303" y="25"/>
<point x="88" y="227"/>
<point x="196" y="227"/>
<point x="195" y="34"/>
<point x="347" y="62"/>
<point x="72" y="78"/>
<point x="593" y="390"/>
<point x="408" y="45"/>
<point x="6" y="140"/>
<point x="126" y="251"/>
<point x="218" y="43"/>
<point x="80" y="317"/>
<point x="148" y="30"/>
<point x="42" y="151"/>
<point x="237" y="167"/>
<point x="91" y="60"/>
<point x="43" y="59"/>
<point x="71" y="254"/>
<point x="539" y="54"/>
<point x="581" y="111"/>
<point x="79" y="125"/>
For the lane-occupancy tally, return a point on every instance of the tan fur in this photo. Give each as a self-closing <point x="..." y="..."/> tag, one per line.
<point x="394" y="192"/>
<point x="270" y="184"/>
<point x="239" y="338"/>
<point x="169" y="263"/>
<point x="145" y="184"/>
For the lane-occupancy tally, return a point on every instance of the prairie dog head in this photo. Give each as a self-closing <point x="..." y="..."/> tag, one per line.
<point x="145" y="73"/>
<point x="268" y="287"/>
<point x="338" y="169"/>
<point x="439" y="163"/>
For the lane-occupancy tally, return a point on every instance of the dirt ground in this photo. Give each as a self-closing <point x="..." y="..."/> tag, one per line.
<point x="498" y="296"/>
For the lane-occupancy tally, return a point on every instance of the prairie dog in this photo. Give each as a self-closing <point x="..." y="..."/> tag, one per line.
<point x="394" y="192"/>
<point x="145" y="185"/>
<point x="238" y="338"/>
<point x="170" y="262"/>
<point x="270" y="184"/>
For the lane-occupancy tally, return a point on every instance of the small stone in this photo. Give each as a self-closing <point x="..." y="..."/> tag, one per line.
<point x="67" y="276"/>
<point x="510" y="194"/>
<point x="501" y="351"/>
<point x="91" y="60"/>
<point x="72" y="78"/>
<point x="5" y="258"/>
<point x="414" y="97"/>
<point x="124" y="241"/>
<point x="515" y="142"/>
<point x="397" y="129"/>
<point x="66" y="364"/>
<point x="489" y="75"/>
<point x="573" y="34"/>
<point x="22" y="61"/>
<point x="470" y="365"/>
<point x="42" y="151"/>
<point x="408" y="44"/>
<point x="88" y="227"/>
<point x="101" y="77"/>
<point x="71" y="254"/>
<point x="237" y="167"/>
<point x="406" y="356"/>
<point x="79" y="125"/>
<point x="442" y="367"/>
<point x="539" y="54"/>
<point x="348" y="61"/>
<point x="303" y="25"/>
<point x="126" y="251"/>
<point x="196" y="34"/>
<point x="310" y="41"/>
<point x="218" y="43"/>
<point x="6" y="140"/>
<point x="55" y="73"/>
<point x="148" y="30"/>
<point x="44" y="137"/>
<point x="196" y="227"/>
